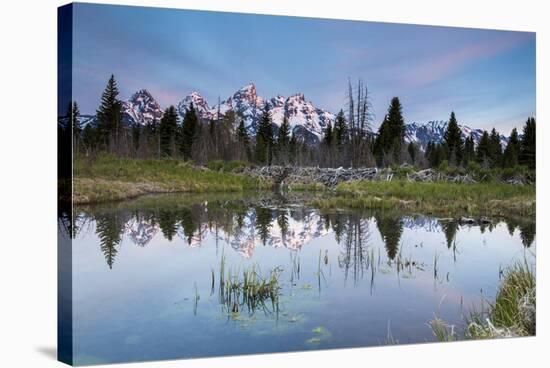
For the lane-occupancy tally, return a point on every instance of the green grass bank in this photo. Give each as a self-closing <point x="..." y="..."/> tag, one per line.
<point x="438" y="197"/>
<point x="109" y="178"/>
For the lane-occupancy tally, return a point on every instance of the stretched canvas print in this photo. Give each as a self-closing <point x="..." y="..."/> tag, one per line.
<point x="240" y="184"/>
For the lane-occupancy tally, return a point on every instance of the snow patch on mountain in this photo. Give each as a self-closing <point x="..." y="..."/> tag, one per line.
<point x="434" y="131"/>
<point x="304" y="118"/>
<point x="141" y="108"/>
<point x="199" y="104"/>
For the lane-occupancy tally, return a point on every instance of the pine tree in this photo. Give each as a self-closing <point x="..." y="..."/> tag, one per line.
<point x="282" y="221"/>
<point x="136" y="136"/>
<point x="469" y="151"/>
<point x="189" y="130"/>
<point x="109" y="115"/>
<point x="243" y="139"/>
<point x="167" y="132"/>
<point x="450" y="229"/>
<point x="152" y="130"/>
<point x="391" y="229"/>
<point x="73" y="115"/>
<point x="89" y="137"/>
<point x="429" y="151"/>
<point x="453" y="141"/>
<point x="284" y="133"/>
<point x="292" y="148"/>
<point x="383" y="142"/>
<point x="495" y="150"/>
<point x="340" y="129"/>
<point x="511" y="152"/>
<point x="283" y="140"/>
<point x="263" y="223"/>
<point x="435" y="154"/>
<point x="264" y="138"/>
<point x="528" y="145"/>
<point x="328" y="137"/>
<point x="109" y="230"/>
<point x="396" y="128"/>
<point x="483" y="154"/>
<point x="412" y="152"/>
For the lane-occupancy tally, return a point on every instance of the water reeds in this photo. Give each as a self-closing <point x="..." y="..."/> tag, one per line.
<point x="512" y="314"/>
<point x="514" y="311"/>
<point x="295" y="270"/>
<point x="319" y="272"/>
<point x="442" y="330"/>
<point x="436" y="270"/>
<point x="249" y="290"/>
<point x="196" y="300"/>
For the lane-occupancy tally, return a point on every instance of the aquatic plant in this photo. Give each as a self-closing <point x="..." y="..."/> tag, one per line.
<point x="512" y="314"/>
<point x="295" y="270"/>
<point x="514" y="311"/>
<point x="321" y="334"/>
<point x="249" y="289"/>
<point x="442" y="330"/>
<point x="196" y="300"/>
<point x="435" y="266"/>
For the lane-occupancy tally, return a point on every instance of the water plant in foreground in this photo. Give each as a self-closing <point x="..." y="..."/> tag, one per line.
<point x="514" y="311"/>
<point x="512" y="314"/>
<point x="321" y="334"/>
<point x="248" y="289"/>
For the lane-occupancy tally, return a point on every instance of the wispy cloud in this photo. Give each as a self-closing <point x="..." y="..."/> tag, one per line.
<point x="485" y="76"/>
<point x="438" y="67"/>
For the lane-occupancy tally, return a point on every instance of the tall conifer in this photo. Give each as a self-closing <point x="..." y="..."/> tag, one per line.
<point x="109" y="115"/>
<point x="511" y="152"/>
<point x="168" y="131"/>
<point x="189" y="130"/>
<point x="453" y="141"/>
<point x="528" y="146"/>
<point x="264" y="138"/>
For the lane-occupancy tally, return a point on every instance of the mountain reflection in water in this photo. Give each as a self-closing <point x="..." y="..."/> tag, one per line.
<point x="146" y="275"/>
<point x="246" y="224"/>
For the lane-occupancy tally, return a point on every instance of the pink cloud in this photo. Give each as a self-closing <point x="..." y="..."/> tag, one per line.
<point x="438" y="67"/>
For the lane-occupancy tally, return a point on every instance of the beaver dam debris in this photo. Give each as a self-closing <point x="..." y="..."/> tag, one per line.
<point x="331" y="177"/>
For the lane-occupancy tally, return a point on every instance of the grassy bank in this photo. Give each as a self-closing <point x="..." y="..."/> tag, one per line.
<point x="441" y="197"/>
<point x="514" y="311"/>
<point x="107" y="178"/>
<point x="512" y="314"/>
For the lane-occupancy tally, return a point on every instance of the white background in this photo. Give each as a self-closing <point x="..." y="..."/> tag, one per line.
<point x="28" y="180"/>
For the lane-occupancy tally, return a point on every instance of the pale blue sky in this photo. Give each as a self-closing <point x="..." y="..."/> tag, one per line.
<point x="487" y="77"/>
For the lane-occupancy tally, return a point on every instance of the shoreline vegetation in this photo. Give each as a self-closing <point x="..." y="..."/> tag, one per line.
<point x="108" y="178"/>
<point x="435" y="198"/>
<point x="512" y="314"/>
<point x="117" y="158"/>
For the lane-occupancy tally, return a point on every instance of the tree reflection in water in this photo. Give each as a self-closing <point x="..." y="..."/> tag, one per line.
<point x="246" y="223"/>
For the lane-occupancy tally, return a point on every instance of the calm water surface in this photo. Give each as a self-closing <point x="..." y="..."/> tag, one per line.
<point x="142" y="275"/>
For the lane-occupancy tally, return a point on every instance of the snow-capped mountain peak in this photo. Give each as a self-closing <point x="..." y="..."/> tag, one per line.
<point x="199" y="104"/>
<point x="141" y="108"/>
<point x="434" y="131"/>
<point x="306" y="120"/>
<point x="247" y="92"/>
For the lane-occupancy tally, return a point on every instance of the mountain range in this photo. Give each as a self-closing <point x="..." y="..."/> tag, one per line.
<point x="306" y="120"/>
